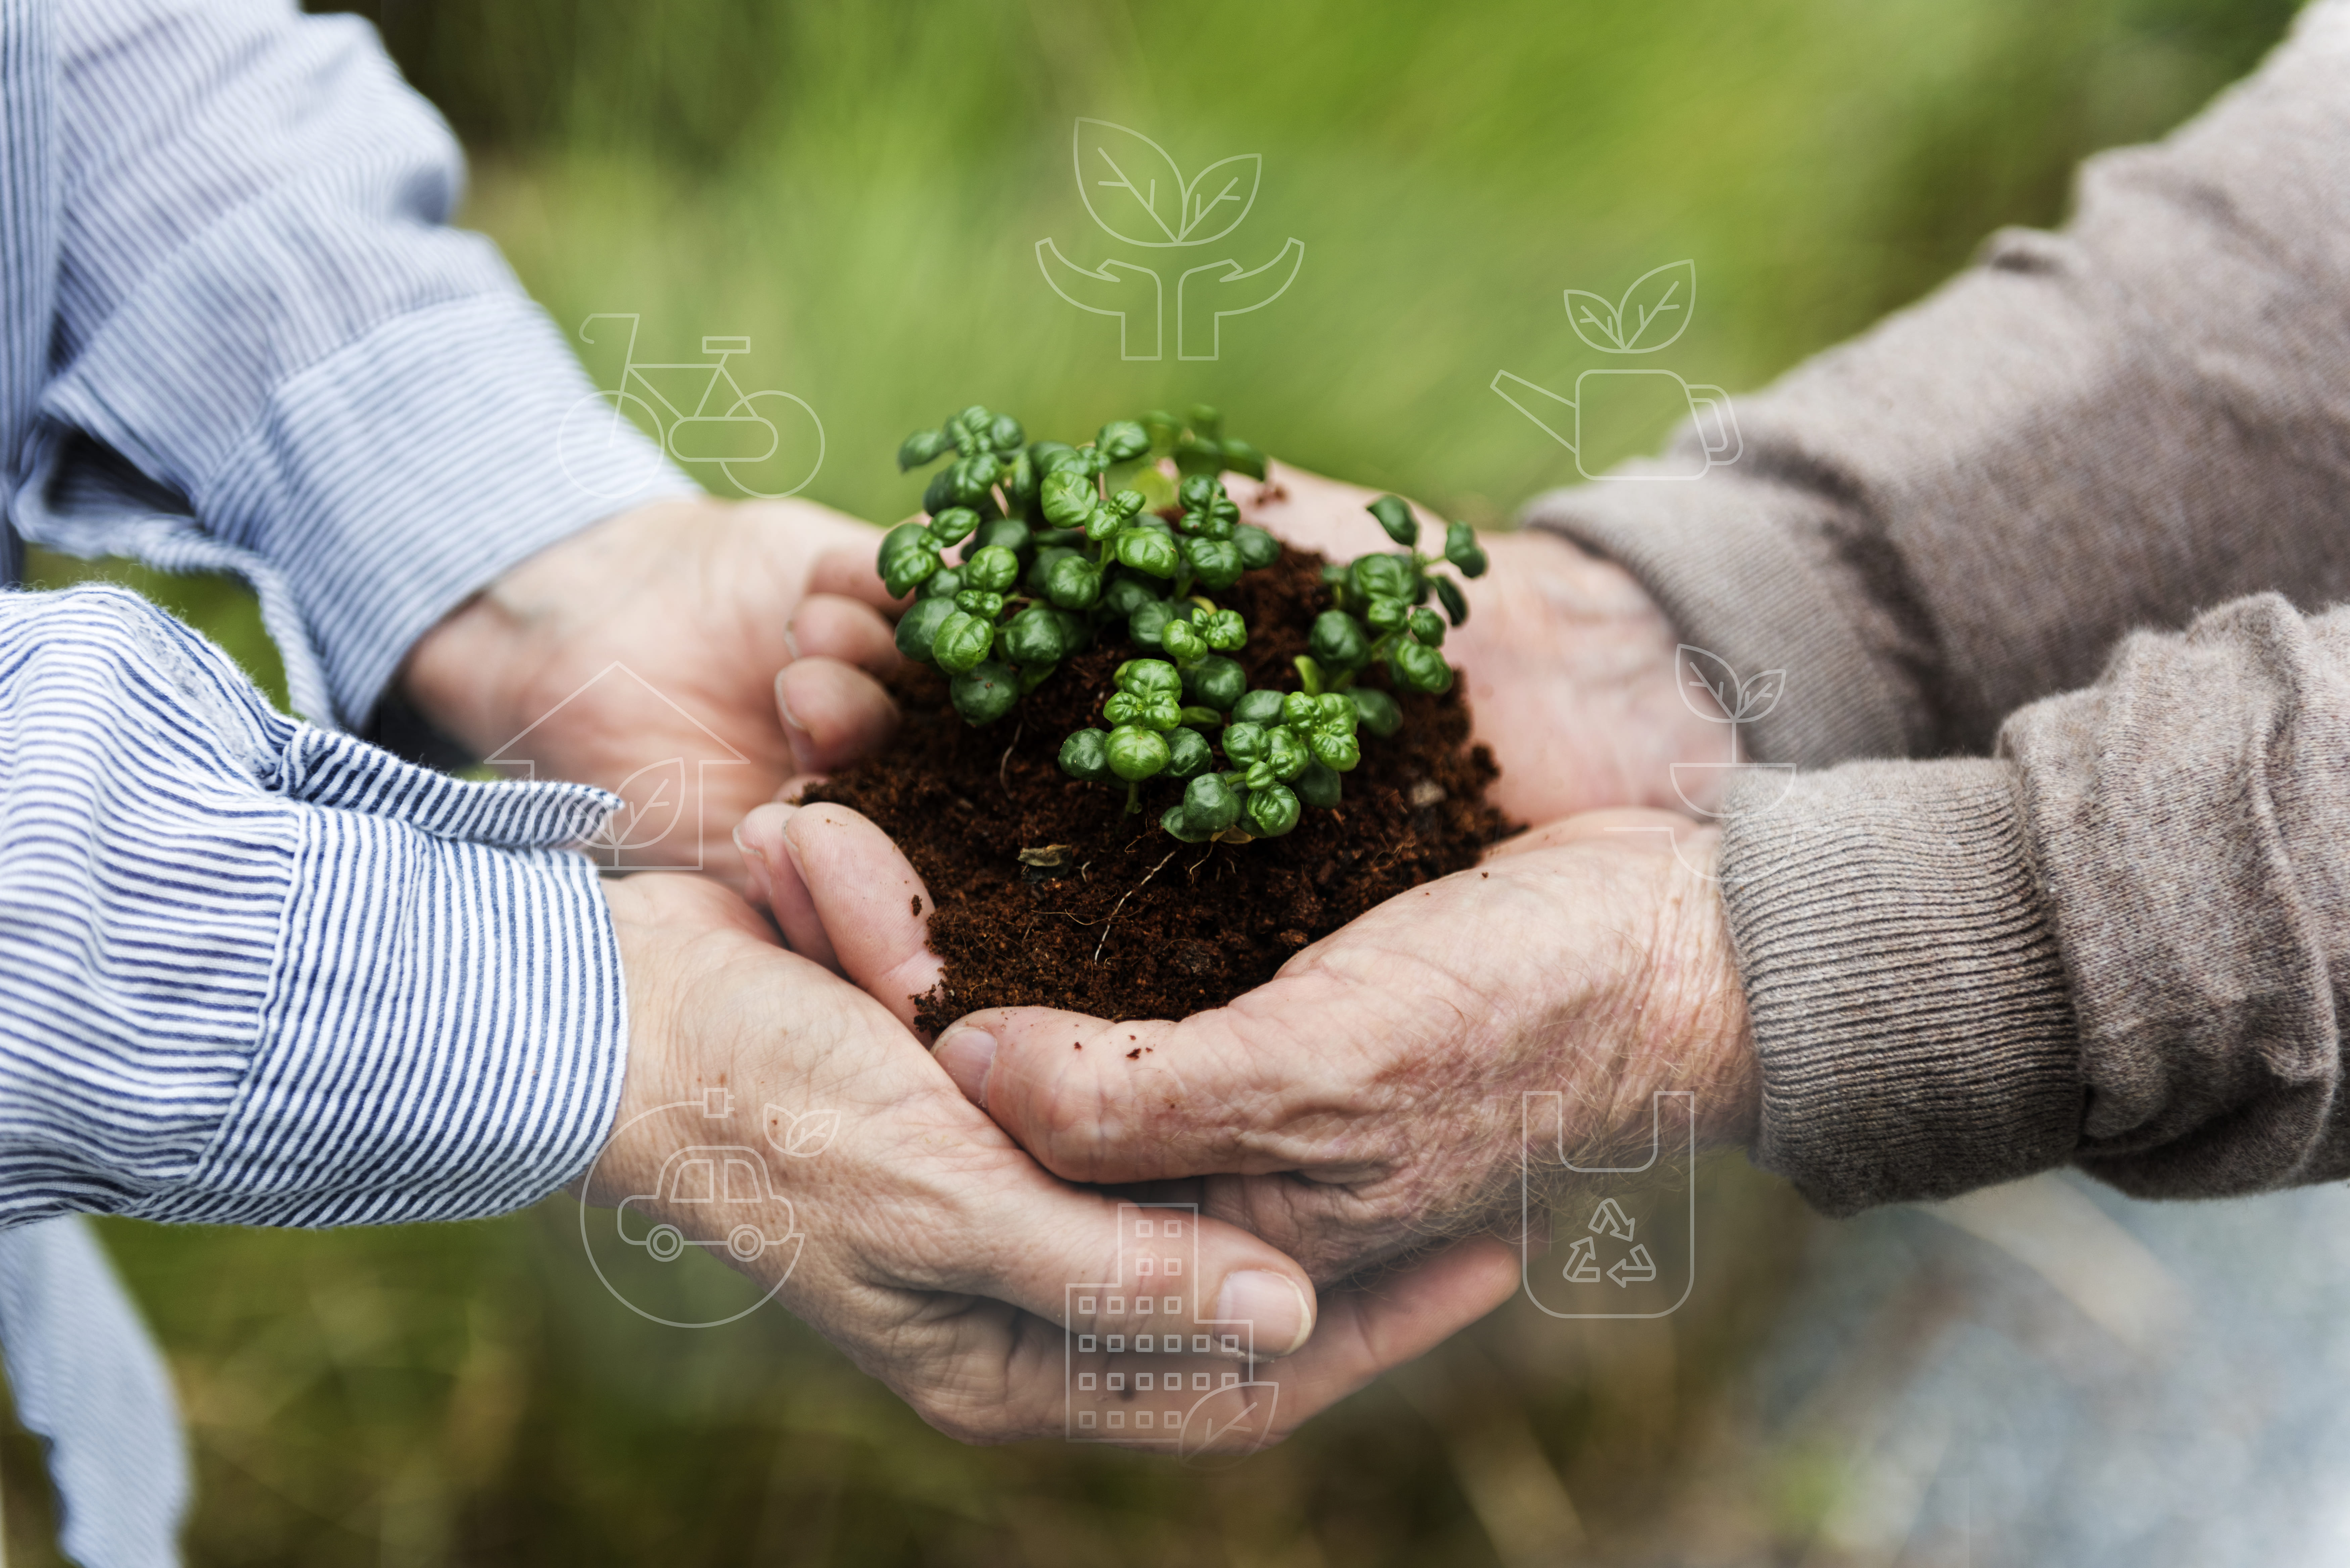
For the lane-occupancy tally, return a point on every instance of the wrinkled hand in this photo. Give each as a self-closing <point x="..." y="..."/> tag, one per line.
<point x="1568" y="662"/>
<point x="746" y="636"/>
<point x="1367" y="1097"/>
<point x="936" y="1252"/>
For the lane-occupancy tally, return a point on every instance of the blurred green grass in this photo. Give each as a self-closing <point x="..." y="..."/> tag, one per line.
<point x="859" y="191"/>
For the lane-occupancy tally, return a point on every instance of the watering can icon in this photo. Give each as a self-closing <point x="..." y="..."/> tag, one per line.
<point x="1615" y="410"/>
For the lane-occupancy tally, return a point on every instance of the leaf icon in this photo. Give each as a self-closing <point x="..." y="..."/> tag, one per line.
<point x="1219" y="197"/>
<point x="1757" y="697"/>
<point x="1652" y="314"/>
<point x="801" y="1137"/>
<point x="1594" y="320"/>
<point x="1697" y="670"/>
<point x="1129" y="184"/>
<point x="654" y="798"/>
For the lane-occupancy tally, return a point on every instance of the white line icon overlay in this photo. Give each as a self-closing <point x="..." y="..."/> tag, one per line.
<point x="1610" y="402"/>
<point x="1611" y="1252"/>
<point x="768" y="443"/>
<point x="1136" y="193"/>
<point x="1145" y="1365"/>
<point x="727" y="1188"/>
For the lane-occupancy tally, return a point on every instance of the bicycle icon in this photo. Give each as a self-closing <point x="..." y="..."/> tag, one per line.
<point x="759" y="442"/>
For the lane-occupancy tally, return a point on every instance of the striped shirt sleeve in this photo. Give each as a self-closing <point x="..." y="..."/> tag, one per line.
<point x="256" y="972"/>
<point x="262" y="311"/>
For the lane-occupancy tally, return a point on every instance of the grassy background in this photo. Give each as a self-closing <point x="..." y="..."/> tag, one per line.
<point x="859" y="191"/>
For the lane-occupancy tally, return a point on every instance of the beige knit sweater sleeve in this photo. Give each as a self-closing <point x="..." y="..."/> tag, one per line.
<point x="2098" y="487"/>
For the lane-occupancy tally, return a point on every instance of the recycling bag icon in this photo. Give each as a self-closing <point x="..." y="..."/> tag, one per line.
<point x="1630" y="1254"/>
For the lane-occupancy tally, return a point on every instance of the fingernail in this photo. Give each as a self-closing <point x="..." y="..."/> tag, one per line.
<point x="791" y="642"/>
<point x="1271" y="1304"/>
<point x="755" y="868"/>
<point x="784" y="705"/>
<point x="968" y="1054"/>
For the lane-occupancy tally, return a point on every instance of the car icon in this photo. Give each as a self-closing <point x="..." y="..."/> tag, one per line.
<point x="726" y="1183"/>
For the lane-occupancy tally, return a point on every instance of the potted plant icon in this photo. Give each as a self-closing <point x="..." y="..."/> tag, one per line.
<point x="727" y="1184"/>
<point x="1727" y="700"/>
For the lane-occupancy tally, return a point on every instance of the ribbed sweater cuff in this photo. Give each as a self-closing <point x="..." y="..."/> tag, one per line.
<point x="1720" y="558"/>
<point x="1908" y="1002"/>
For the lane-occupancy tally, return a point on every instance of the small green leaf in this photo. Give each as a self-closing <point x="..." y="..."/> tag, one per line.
<point x="1396" y="517"/>
<point x="1461" y="549"/>
<point x="1216" y="681"/>
<point x="1335" y="749"/>
<point x="1200" y="718"/>
<point x="986" y="605"/>
<point x="1385" y="614"/>
<point x="1217" y="563"/>
<point x="1122" y="441"/>
<point x="1258" y="549"/>
<point x="1271" y="812"/>
<point x="1427" y="625"/>
<point x="919" y="626"/>
<point x="1456" y="604"/>
<point x="1309" y="674"/>
<point x="1147" y="621"/>
<point x="985" y="693"/>
<point x="972" y="477"/>
<point x="1417" y="667"/>
<point x="994" y="569"/>
<point x="1149" y="677"/>
<point x="1073" y="583"/>
<point x="922" y="447"/>
<point x="1260" y="707"/>
<point x="1148" y="550"/>
<point x="1245" y="742"/>
<point x="1337" y="640"/>
<point x="1137" y="753"/>
<point x="998" y="533"/>
<point x="1318" y="786"/>
<point x="1181" y="828"/>
<point x="905" y="570"/>
<point x="961" y="642"/>
<point x="1032" y="637"/>
<point x="1005" y="434"/>
<point x="1187" y="753"/>
<point x="944" y="583"/>
<point x="1300" y="709"/>
<point x="1183" y="643"/>
<point x="1052" y="457"/>
<point x="1285" y="753"/>
<point x="1376" y="710"/>
<point x="1375" y="575"/>
<point x="953" y="526"/>
<point x="1067" y="497"/>
<point x="1210" y="802"/>
<point x="1224" y="630"/>
<point x="1122" y="596"/>
<point x="1086" y="755"/>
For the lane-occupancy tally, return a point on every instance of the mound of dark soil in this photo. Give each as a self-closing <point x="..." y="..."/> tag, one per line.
<point x="1106" y="914"/>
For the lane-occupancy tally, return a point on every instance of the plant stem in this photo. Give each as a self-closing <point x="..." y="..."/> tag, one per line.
<point x="1134" y="797"/>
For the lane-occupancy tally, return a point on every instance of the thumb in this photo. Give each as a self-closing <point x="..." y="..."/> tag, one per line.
<point x="846" y="897"/>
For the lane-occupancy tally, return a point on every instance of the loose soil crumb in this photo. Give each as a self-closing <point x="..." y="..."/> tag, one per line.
<point x="1123" y="921"/>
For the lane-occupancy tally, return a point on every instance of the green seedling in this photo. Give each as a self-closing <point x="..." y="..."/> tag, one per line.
<point x="1126" y="540"/>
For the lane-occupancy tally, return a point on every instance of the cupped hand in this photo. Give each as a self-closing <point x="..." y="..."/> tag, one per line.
<point x="689" y="655"/>
<point x="1368" y="1098"/>
<point x="1568" y="664"/>
<point x="937" y="1254"/>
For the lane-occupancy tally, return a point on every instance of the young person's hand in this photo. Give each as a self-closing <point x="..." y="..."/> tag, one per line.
<point x="936" y="1254"/>
<point x="689" y="655"/>
<point x="1567" y="663"/>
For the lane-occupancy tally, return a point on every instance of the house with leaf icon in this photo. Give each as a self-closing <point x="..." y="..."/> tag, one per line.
<point x="659" y="826"/>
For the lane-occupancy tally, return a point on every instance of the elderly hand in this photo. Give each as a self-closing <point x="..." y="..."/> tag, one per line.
<point x="1567" y="663"/>
<point x="1368" y="1096"/>
<point x="740" y="635"/>
<point x="937" y="1254"/>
